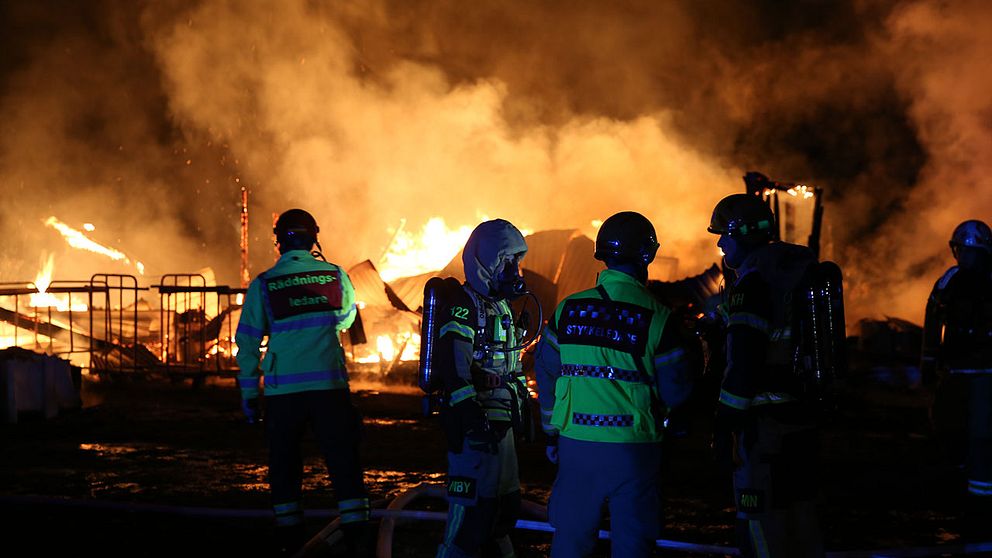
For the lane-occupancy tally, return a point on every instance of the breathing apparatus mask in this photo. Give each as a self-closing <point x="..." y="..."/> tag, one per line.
<point x="507" y="281"/>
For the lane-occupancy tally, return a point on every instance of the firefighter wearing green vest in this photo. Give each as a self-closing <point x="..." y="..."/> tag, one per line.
<point x="610" y="366"/>
<point x="301" y="304"/>
<point x="484" y="394"/>
<point x="764" y="430"/>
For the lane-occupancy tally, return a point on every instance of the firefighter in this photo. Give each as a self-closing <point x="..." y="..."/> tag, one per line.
<point x="764" y="432"/>
<point x="301" y="304"/>
<point x="483" y="393"/>
<point x="610" y="366"/>
<point x="957" y="346"/>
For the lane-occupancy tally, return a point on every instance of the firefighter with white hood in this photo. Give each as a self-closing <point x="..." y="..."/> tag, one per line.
<point x="477" y="367"/>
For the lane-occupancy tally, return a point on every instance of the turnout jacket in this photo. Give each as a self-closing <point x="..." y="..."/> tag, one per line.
<point x="300" y="304"/>
<point x="759" y="373"/>
<point x="482" y="379"/>
<point x="957" y="330"/>
<point x="611" y="364"/>
<point x="472" y="342"/>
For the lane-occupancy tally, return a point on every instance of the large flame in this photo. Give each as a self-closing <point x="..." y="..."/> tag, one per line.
<point x="431" y="250"/>
<point x="43" y="299"/>
<point x="387" y="346"/>
<point x="77" y="239"/>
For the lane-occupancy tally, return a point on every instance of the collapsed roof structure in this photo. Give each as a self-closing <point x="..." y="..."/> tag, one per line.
<point x="558" y="263"/>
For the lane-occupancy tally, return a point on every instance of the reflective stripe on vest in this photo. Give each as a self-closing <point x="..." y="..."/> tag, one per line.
<point x="304" y="377"/>
<point x="607" y="337"/>
<point x="604" y="372"/>
<point x="587" y="419"/>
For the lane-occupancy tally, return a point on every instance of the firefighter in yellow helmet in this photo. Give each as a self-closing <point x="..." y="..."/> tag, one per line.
<point x="300" y="304"/>
<point x="610" y="366"/>
<point x="763" y="432"/>
<point x="957" y="347"/>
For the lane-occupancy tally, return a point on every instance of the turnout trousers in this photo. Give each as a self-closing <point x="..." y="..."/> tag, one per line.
<point x="336" y="425"/>
<point x="483" y="501"/>
<point x="978" y="513"/>
<point x="775" y="490"/>
<point x="622" y="476"/>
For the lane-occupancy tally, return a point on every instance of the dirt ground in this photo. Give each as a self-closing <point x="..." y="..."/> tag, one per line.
<point x="159" y="468"/>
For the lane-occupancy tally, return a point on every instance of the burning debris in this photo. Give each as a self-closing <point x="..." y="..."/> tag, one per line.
<point x="188" y="329"/>
<point x="77" y="239"/>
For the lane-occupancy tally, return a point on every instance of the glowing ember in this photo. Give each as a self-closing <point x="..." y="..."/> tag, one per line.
<point x="431" y="250"/>
<point x="801" y="190"/>
<point x="798" y="191"/>
<point x="77" y="239"/>
<point x="88" y="227"/>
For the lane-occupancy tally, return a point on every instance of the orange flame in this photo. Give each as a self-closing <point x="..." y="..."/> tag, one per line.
<point x="386" y="348"/>
<point x="431" y="250"/>
<point x="77" y="239"/>
<point x="43" y="299"/>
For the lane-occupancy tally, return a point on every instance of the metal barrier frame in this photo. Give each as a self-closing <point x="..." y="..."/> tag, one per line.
<point x="109" y="284"/>
<point x="67" y="287"/>
<point x="192" y="288"/>
<point x="185" y="351"/>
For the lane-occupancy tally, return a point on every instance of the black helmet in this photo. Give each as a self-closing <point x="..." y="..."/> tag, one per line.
<point x="627" y="236"/>
<point x="743" y="216"/>
<point x="296" y="229"/>
<point x="973" y="233"/>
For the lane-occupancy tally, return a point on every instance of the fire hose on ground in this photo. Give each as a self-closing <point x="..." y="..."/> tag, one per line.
<point x="393" y="511"/>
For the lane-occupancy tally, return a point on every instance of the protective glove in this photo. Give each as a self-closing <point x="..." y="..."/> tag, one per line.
<point x="475" y="427"/>
<point x="551" y="449"/>
<point x="252" y="410"/>
<point x="482" y="439"/>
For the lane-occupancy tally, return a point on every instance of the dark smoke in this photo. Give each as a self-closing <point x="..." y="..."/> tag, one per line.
<point x="146" y="119"/>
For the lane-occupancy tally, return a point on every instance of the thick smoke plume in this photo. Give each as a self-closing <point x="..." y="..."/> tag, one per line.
<point x="148" y="119"/>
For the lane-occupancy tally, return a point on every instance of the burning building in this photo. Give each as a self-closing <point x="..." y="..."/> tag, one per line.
<point x="151" y="121"/>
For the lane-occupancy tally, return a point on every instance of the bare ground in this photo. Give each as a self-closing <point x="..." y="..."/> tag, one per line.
<point x="159" y="468"/>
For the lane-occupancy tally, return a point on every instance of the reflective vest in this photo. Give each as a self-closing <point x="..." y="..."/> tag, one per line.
<point x="606" y="391"/>
<point x="300" y="304"/>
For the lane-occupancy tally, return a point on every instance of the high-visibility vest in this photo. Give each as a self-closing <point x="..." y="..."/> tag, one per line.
<point x="607" y="390"/>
